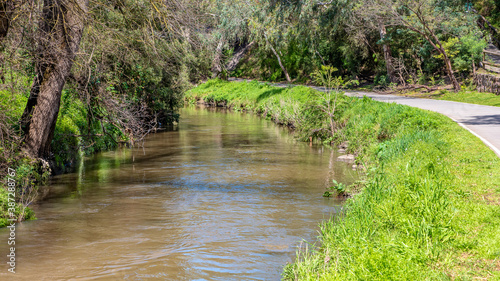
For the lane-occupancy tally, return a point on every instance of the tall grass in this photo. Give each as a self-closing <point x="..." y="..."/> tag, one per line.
<point x="430" y="208"/>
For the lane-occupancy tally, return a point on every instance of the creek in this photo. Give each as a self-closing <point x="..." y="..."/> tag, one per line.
<point x="224" y="196"/>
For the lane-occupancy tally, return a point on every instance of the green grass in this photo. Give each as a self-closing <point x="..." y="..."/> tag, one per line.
<point x="430" y="208"/>
<point x="474" y="97"/>
<point x="12" y="106"/>
<point x="465" y="96"/>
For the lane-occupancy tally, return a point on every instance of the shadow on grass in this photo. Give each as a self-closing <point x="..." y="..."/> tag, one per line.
<point x="269" y="93"/>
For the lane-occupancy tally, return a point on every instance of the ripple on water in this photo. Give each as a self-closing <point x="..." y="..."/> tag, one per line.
<point x="226" y="197"/>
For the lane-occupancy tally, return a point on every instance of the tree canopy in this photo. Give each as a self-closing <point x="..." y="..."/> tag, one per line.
<point x="129" y="61"/>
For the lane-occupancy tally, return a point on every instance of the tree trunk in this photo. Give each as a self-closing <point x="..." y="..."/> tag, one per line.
<point x="217" y="62"/>
<point x="387" y="55"/>
<point x="449" y="70"/>
<point x="436" y="44"/>
<point x="447" y="62"/>
<point x="238" y="56"/>
<point x="60" y="33"/>
<point x="6" y="12"/>
<point x="279" y="60"/>
<point x="432" y="38"/>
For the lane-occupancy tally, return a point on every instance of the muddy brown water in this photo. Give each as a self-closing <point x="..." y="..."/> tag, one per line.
<point x="225" y="196"/>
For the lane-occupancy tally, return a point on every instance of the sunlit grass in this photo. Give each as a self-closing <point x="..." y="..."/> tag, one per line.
<point x="465" y="96"/>
<point x="474" y="97"/>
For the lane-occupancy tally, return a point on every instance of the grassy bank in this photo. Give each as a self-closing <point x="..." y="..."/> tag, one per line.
<point x="430" y="206"/>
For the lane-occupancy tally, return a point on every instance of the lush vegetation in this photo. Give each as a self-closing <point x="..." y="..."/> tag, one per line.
<point x="129" y="70"/>
<point x="381" y="42"/>
<point x="105" y="72"/>
<point x="428" y="208"/>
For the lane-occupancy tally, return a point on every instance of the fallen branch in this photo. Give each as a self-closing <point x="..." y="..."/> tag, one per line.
<point x="413" y="87"/>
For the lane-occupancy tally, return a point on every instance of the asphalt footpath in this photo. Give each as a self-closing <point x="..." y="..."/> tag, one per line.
<point x="481" y="120"/>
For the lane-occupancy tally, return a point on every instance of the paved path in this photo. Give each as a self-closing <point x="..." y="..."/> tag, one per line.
<point x="481" y="120"/>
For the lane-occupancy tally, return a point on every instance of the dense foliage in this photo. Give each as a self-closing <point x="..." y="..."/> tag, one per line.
<point x="419" y="36"/>
<point x="135" y="60"/>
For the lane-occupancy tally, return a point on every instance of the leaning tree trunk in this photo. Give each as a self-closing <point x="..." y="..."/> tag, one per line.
<point x="449" y="70"/>
<point x="279" y="60"/>
<point x="60" y="33"/>
<point x="6" y="12"/>
<point x="238" y="56"/>
<point x="436" y="44"/>
<point x="387" y="55"/>
<point x="217" y="61"/>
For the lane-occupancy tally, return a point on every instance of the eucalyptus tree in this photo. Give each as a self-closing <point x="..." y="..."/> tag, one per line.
<point x="60" y="32"/>
<point x="231" y="32"/>
<point x="238" y="26"/>
<point x="267" y="30"/>
<point x="341" y="37"/>
<point x="296" y="31"/>
<point x="135" y="60"/>
<point x="303" y="35"/>
<point x="6" y="11"/>
<point x="138" y="57"/>
<point x="434" y="20"/>
<point x="363" y="21"/>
